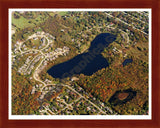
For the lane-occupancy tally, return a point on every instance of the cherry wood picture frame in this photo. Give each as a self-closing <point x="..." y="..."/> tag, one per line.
<point x="4" y="10"/>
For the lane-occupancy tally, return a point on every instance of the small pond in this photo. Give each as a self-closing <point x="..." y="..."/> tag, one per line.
<point x="127" y="61"/>
<point x="121" y="97"/>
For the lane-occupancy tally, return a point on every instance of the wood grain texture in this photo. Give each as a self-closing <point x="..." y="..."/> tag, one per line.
<point x="6" y="4"/>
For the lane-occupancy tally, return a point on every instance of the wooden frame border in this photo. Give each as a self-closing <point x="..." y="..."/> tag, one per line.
<point x="6" y="4"/>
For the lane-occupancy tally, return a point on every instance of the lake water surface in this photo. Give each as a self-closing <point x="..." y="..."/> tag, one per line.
<point x="127" y="61"/>
<point x="85" y="63"/>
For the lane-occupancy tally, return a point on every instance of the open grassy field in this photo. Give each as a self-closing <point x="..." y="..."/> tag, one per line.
<point x="22" y="22"/>
<point x="62" y="13"/>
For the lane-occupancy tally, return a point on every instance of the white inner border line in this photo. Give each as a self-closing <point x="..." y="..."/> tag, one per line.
<point x="88" y="117"/>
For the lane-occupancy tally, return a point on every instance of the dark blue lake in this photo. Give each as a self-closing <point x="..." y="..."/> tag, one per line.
<point x="85" y="63"/>
<point x="127" y="61"/>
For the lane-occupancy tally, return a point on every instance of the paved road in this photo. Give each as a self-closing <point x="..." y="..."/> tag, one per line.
<point x="84" y="98"/>
<point x="36" y="77"/>
<point x="132" y="17"/>
<point x="126" y="23"/>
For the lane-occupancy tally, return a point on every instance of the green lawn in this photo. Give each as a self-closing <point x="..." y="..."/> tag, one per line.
<point x="62" y="13"/>
<point x="24" y="23"/>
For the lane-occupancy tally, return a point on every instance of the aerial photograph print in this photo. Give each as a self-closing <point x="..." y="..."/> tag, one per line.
<point x="90" y="63"/>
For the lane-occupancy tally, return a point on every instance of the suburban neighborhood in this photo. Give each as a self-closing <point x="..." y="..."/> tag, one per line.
<point x="52" y="38"/>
